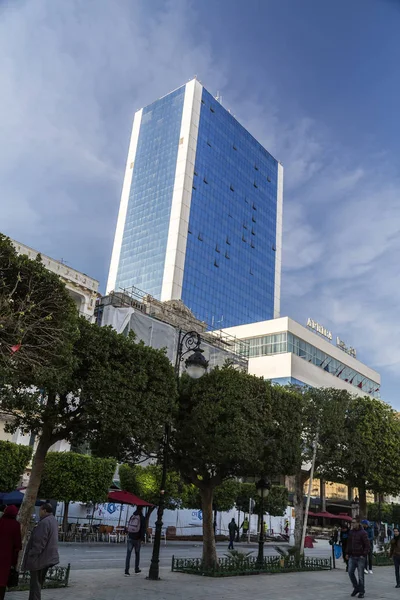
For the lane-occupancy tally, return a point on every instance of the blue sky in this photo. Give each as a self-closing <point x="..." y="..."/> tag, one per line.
<point x="316" y="82"/>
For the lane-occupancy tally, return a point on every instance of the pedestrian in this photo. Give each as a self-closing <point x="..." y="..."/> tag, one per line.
<point x="265" y="531"/>
<point x="370" y="533"/>
<point x="390" y="534"/>
<point x="245" y="526"/>
<point x="10" y="545"/>
<point x="42" y="550"/>
<point x="232" y="527"/>
<point x="357" y="552"/>
<point x="136" y="535"/>
<point x="344" y="538"/>
<point x="287" y="528"/>
<point x="395" y="554"/>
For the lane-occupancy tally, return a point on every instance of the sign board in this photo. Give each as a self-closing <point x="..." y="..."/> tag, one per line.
<point x="319" y="328"/>
<point x="348" y="349"/>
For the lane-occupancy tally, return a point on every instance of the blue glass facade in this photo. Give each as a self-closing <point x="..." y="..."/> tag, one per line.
<point x="229" y="275"/>
<point x="145" y="235"/>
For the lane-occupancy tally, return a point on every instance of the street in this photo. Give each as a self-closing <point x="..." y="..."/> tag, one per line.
<point x="111" y="556"/>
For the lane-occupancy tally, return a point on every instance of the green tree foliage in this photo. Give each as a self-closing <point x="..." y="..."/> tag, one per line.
<point x="119" y="394"/>
<point x="37" y="320"/>
<point x="70" y="477"/>
<point x="13" y="461"/>
<point x="385" y="512"/>
<point x="145" y="482"/>
<point x="368" y="455"/>
<point x="218" y="433"/>
<point x="322" y="412"/>
<point x="275" y="503"/>
<point x="224" y="497"/>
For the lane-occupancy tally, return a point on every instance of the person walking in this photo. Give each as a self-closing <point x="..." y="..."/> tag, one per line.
<point x="232" y="527"/>
<point x="357" y="552"/>
<point x="136" y="535"/>
<point x="42" y="550"/>
<point x="370" y="533"/>
<point x="344" y="538"/>
<point x="10" y="545"/>
<point x="395" y="554"/>
<point x="245" y="526"/>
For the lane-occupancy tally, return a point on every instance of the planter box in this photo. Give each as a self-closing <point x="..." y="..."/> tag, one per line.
<point x="57" y="577"/>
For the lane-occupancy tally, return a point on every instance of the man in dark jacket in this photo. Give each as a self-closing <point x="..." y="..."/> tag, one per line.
<point x="357" y="552"/>
<point x="41" y="551"/>
<point x="136" y="535"/>
<point x="370" y="533"/>
<point x="232" y="527"/>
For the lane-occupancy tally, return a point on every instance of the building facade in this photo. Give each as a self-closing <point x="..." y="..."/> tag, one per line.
<point x="82" y="288"/>
<point x="200" y="217"/>
<point x="286" y="352"/>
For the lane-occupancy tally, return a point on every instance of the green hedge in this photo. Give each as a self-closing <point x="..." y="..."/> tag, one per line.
<point x="228" y="567"/>
<point x="56" y="577"/>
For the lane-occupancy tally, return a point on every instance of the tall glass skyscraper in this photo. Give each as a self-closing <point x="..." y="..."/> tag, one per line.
<point x="200" y="217"/>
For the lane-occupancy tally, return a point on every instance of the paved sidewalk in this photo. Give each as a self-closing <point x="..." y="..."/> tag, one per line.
<point x="110" y="584"/>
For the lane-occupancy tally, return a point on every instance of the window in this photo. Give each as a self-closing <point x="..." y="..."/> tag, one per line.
<point x="255" y="185"/>
<point x="228" y="240"/>
<point x="254" y="206"/>
<point x="205" y="180"/>
<point x="194" y="187"/>
<point x="227" y="255"/>
<point x="234" y="147"/>
<point x="217" y="248"/>
<point x="243" y="238"/>
<point x="202" y="101"/>
<point x="195" y="173"/>
<point x="274" y="247"/>
<point x="251" y="272"/>
<point x="232" y="188"/>
<point x="244" y="226"/>
<point x="269" y="179"/>
<point x="216" y="263"/>
<point x="200" y="237"/>
<point x="253" y="219"/>
<point x="208" y="143"/>
<point x="212" y="110"/>
<point x="252" y="244"/>
<point x="256" y="168"/>
<point x="252" y="231"/>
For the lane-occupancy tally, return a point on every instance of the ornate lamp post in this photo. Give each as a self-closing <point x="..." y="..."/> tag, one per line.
<point x="263" y="486"/>
<point x="355" y="506"/>
<point x="196" y="366"/>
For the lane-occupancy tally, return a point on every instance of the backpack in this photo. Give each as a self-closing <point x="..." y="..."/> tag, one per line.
<point x="134" y="524"/>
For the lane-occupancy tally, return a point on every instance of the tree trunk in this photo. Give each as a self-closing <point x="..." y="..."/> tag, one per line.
<point x="238" y="529"/>
<point x="300" y="479"/>
<point x="29" y="501"/>
<point x="322" y="494"/>
<point x="362" y="493"/>
<point x="215" y="522"/>
<point x="65" y="517"/>
<point x="210" y="560"/>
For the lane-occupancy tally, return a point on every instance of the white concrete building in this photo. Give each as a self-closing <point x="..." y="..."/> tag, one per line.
<point x="82" y="288"/>
<point x="286" y="352"/>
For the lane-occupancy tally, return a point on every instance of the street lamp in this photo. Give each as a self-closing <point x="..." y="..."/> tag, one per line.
<point x="196" y="365"/>
<point x="262" y="486"/>
<point x="355" y="505"/>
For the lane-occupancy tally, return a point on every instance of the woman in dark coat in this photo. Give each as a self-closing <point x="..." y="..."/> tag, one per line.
<point x="10" y="545"/>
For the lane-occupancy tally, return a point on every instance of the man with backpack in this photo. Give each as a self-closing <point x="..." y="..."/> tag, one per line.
<point x="136" y="535"/>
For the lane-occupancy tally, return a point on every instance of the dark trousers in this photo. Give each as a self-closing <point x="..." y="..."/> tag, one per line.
<point x="357" y="563"/>
<point x="231" y="540"/>
<point x="35" y="585"/>
<point x="133" y="544"/>
<point x="2" y="591"/>
<point x="396" y="561"/>
<point x="370" y="553"/>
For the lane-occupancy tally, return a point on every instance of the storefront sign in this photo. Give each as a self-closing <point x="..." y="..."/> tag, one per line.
<point x="319" y="328"/>
<point x="348" y="349"/>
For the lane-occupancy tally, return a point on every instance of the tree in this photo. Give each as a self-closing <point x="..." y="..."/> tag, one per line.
<point x="70" y="477"/>
<point x="13" y="461"/>
<point x="217" y="435"/>
<point x="145" y="482"/>
<point x="117" y="391"/>
<point x="383" y="512"/>
<point x="367" y="457"/>
<point x="38" y="319"/>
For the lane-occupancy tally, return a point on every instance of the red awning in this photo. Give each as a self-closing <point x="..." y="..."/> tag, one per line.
<point x="121" y="497"/>
<point x="328" y="515"/>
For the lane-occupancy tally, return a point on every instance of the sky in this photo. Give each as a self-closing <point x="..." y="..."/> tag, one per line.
<point x="317" y="83"/>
